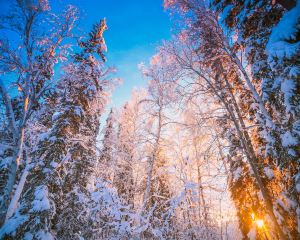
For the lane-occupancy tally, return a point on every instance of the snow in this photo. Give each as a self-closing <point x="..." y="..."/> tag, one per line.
<point x="298" y="211"/>
<point x="281" y="203"/>
<point x="107" y="205"/>
<point x="269" y="172"/>
<point x="288" y="139"/>
<point x="285" y="30"/>
<point x="292" y="152"/>
<point x="5" y="162"/>
<point x="290" y="203"/>
<point x="52" y="138"/>
<point x="92" y="88"/>
<point x="237" y="173"/>
<point x="260" y="196"/>
<point x="294" y="71"/>
<point x="278" y="215"/>
<point x="298" y="187"/>
<point x="41" y="201"/>
<point x="81" y="197"/>
<point x="54" y="164"/>
<point x="12" y="224"/>
<point x="43" y="136"/>
<point x="42" y="235"/>
<point x="78" y="111"/>
<point x="2" y="149"/>
<point x="28" y="236"/>
<point x="17" y="194"/>
<point x="252" y="234"/>
<point x="287" y="88"/>
<point x="55" y="116"/>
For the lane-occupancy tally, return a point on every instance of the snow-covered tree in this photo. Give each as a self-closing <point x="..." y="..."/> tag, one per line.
<point x="30" y="59"/>
<point x="126" y="151"/>
<point x="257" y="127"/>
<point x="271" y="49"/>
<point x="209" y="145"/>
<point x="157" y="194"/>
<point x="55" y="201"/>
<point x="107" y="161"/>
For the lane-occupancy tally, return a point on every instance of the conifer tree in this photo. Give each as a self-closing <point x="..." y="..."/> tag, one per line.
<point x="55" y="204"/>
<point x="270" y="48"/>
<point x="235" y="87"/>
<point x="107" y="154"/>
<point x="82" y="105"/>
<point x="124" y="179"/>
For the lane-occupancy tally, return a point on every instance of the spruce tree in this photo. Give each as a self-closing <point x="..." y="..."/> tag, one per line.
<point x="124" y="179"/>
<point x="55" y="203"/>
<point x="268" y="34"/>
<point x="106" y="158"/>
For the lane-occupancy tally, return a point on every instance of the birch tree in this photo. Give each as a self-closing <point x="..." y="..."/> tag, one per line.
<point x="27" y="69"/>
<point x="222" y="71"/>
<point x="157" y="194"/>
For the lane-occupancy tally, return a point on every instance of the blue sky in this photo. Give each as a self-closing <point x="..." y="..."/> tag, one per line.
<point x="136" y="28"/>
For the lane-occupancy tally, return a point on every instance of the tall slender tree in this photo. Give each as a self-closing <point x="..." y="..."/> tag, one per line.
<point x="31" y="61"/>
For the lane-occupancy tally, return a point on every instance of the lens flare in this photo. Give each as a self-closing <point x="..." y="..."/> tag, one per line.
<point x="259" y="223"/>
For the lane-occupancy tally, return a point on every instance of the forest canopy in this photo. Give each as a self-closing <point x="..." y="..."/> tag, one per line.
<point x="209" y="148"/>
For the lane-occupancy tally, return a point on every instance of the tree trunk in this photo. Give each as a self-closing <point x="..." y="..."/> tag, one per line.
<point x="254" y="162"/>
<point x="248" y="149"/>
<point x="17" y="194"/>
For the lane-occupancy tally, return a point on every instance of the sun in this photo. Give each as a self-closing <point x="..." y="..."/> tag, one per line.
<point x="259" y="223"/>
